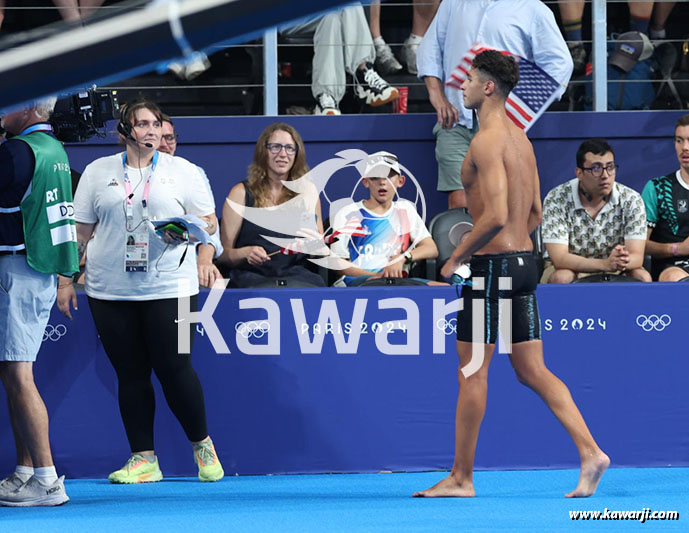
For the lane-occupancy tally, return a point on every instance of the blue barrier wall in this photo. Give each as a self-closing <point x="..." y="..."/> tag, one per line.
<point x="282" y="402"/>
<point x="223" y="146"/>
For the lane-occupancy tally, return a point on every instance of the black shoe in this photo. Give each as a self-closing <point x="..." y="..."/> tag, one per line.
<point x="370" y="87"/>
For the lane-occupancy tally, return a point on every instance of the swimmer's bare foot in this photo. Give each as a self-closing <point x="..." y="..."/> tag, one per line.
<point x="591" y="471"/>
<point x="448" y="488"/>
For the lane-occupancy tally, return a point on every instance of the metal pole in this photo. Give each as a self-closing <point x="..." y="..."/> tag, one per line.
<point x="270" y="72"/>
<point x="600" y="55"/>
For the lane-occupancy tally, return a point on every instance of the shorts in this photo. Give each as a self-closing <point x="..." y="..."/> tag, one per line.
<point x="26" y="298"/>
<point x="451" y="145"/>
<point x="549" y="269"/>
<point x="509" y="276"/>
<point x="659" y="266"/>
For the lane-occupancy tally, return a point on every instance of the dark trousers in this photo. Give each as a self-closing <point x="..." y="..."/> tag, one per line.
<point x="141" y="336"/>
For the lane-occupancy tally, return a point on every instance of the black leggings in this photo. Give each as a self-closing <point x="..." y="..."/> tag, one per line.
<point x="140" y="336"/>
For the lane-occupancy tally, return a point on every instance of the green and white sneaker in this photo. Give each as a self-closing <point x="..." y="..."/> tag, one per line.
<point x="138" y="469"/>
<point x="207" y="460"/>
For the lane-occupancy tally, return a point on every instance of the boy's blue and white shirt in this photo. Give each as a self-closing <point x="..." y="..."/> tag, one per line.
<point x="384" y="236"/>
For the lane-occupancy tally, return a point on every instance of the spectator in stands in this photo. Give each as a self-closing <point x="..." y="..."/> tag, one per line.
<point x="386" y="62"/>
<point x="661" y="12"/>
<point x="667" y="209"/>
<point x="526" y="28"/>
<point x="70" y="10"/>
<point x="343" y="45"/>
<point x="571" y="12"/>
<point x="382" y="235"/>
<point x="591" y="224"/>
<point x="252" y="258"/>
<point x="76" y="10"/>
<point x="36" y="243"/>
<point x="133" y="291"/>
<point x="208" y="272"/>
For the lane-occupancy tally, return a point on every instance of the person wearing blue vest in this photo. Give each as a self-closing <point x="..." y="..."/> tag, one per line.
<point x="37" y="241"/>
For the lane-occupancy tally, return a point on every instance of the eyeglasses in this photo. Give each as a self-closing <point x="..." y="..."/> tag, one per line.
<point x="276" y="148"/>
<point x="170" y="138"/>
<point x="597" y="170"/>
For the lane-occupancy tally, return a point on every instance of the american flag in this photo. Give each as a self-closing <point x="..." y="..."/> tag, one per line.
<point x="530" y="98"/>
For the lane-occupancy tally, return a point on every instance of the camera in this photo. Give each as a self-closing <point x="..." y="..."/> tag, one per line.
<point x="79" y="117"/>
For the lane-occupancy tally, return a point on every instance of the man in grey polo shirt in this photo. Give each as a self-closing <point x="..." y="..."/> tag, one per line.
<point x="593" y="225"/>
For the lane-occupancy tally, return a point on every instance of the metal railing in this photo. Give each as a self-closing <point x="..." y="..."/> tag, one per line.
<point x="270" y="58"/>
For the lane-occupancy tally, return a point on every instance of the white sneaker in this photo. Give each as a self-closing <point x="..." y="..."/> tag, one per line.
<point x="386" y="62"/>
<point x="191" y="67"/>
<point x="326" y="105"/>
<point x="10" y="484"/>
<point x="34" y="493"/>
<point x="409" y="48"/>
<point x="199" y="64"/>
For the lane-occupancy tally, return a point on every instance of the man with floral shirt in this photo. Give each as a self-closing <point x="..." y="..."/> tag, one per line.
<point x="591" y="224"/>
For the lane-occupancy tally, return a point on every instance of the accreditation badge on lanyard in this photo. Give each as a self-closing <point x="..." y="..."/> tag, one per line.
<point x="136" y="245"/>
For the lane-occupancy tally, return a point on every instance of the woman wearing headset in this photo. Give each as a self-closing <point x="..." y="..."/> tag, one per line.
<point x="134" y="281"/>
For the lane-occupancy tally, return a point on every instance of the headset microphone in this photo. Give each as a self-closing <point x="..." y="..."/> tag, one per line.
<point x="126" y="129"/>
<point x="147" y="145"/>
<point x="127" y="134"/>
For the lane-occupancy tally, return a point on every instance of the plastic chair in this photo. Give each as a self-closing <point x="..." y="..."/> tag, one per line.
<point x="538" y="250"/>
<point x="447" y="229"/>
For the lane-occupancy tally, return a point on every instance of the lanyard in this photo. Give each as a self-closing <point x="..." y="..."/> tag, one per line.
<point x="36" y="127"/>
<point x="128" y="187"/>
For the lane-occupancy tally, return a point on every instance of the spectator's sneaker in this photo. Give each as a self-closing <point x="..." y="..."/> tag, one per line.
<point x="370" y="87"/>
<point x="34" y="493"/>
<point x="10" y="484"/>
<point x="386" y="62"/>
<point x="137" y="469"/>
<point x="326" y="105"/>
<point x="578" y="53"/>
<point x="198" y="64"/>
<point x="189" y="68"/>
<point x="409" y="48"/>
<point x="207" y="460"/>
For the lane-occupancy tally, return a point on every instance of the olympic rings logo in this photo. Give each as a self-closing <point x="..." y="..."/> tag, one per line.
<point x="653" y="322"/>
<point x="448" y="326"/>
<point x="252" y="329"/>
<point x="54" y="333"/>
